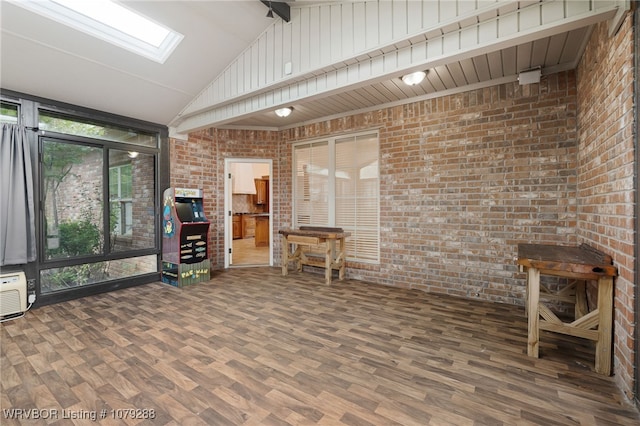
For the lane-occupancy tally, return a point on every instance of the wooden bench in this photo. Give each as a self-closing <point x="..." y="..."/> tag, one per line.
<point x="310" y="236"/>
<point x="582" y="263"/>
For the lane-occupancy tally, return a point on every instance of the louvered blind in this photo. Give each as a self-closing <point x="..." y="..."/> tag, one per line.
<point x="336" y="183"/>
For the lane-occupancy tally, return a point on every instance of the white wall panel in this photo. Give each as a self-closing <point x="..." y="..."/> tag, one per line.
<point x="335" y="36"/>
<point x="385" y="22"/>
<point x="529" y="18"/>
<point x="414" y="16"/>
<point x="359" y="17"/>
<point x="270" y="46"/>
<point x="400" y="19"/>
<point x="552" y="12"/>
<point x="315" y="38"/>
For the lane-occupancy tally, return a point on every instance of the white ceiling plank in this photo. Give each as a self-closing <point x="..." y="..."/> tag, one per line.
<point x="495" y="64"/>
<point x="469" y="70"/>
<point x="539" y="52"/>
<point x="574" y="43"/>
<point x="434" y="79"/>
<point x="455" y="70"/>
<point x="523" y="56"/>
<point x="509" y="61"/>
<point x="482" y="67"/>
<point x="555" y="48"/>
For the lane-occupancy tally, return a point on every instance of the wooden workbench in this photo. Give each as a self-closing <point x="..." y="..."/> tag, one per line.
<point x="305" y="237"/>
<point x="581" y="263"/>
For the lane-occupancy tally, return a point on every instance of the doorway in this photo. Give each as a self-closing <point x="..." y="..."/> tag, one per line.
<point x="248" y="222"/>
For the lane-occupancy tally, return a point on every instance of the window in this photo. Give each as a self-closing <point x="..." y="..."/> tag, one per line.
<point x="53" y="122"/>
<point x="336" y="183"/>
<point x="120" y="199"/>
<point x="71" y="195"/>
<point x="111" y="22"/>
<point x="8" y="113"/>
<point x="99" y="201"/>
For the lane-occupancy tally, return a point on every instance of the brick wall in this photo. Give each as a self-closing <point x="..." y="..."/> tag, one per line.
<point x="464" y="178"/>
<point x="193" y="165"/>
<point x="199" y="163"/>
<point x="606" y="172"/>
<point x="143" y="175"/>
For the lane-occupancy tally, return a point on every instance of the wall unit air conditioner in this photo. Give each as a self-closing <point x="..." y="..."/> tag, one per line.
<point x="13" y="293"/>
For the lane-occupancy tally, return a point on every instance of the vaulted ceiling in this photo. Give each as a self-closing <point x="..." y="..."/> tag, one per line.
<point x="235" y="65"/>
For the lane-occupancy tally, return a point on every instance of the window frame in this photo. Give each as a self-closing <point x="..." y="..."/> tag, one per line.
<point x="125" y="228"/>
<point x="29" y="109"/>
<point x="331" y="142"/>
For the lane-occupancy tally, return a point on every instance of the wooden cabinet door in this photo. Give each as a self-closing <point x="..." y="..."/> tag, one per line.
<point x="262" y="231"/>
<point x="248" y="226"/>
<point x="262" y="196"/>
<point x="237" y="227"/>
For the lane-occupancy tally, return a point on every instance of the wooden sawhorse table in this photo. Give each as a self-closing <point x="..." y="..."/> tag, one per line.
<point x="581" y="263"/>
<point x="334" y="257"/>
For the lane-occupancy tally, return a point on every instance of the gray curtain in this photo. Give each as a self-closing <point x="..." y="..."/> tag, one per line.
<point x="17" y="216"/>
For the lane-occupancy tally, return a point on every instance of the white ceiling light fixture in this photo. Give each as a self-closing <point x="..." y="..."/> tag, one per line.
<point x="284" y="112"/>
<point x="111" y="22"/>
<point x="414" y="78"/>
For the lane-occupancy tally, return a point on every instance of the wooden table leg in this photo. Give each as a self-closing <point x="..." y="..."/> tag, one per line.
<point x="285" y="255"/>
<point x="605" y="325"/>
<point x="327" y="262"/>
<point x="533" y="299"/>
<point x="581" y="308"/>
<point x="340" y="256"/>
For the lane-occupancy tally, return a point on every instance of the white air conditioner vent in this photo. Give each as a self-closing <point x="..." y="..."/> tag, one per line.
<point x="13" y="293"/>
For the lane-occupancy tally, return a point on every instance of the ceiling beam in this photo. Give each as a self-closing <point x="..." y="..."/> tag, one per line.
<point x="280" y="8"/>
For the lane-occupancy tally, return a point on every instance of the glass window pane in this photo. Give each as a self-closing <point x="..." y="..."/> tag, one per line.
<point x="132" y="200"/>
<point x="357" y="194"/>
<point x="72" y="193"/>
<point x="68" y="277"/>
<point x="82" y="127"/>
<point x="8" y="113"/>
<point x="312" y="184"/>
<point x="353" y="202"/>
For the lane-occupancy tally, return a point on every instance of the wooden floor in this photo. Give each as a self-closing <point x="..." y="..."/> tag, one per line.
<point x="246" y="253"/>
<point x="253" y="348"/>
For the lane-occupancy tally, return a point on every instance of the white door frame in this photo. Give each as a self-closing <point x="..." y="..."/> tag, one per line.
<point x="228" y="206"/>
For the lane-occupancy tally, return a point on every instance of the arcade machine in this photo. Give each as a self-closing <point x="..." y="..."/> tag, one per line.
<point x="185" y="235"/>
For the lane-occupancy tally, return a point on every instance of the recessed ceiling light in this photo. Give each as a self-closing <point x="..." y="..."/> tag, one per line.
<point x="284" y="112"/>
<point x="414" y="78"/>
<point x="111" y="22"/>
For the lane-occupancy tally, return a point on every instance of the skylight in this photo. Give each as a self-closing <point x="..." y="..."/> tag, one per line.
<point x="111" y="22"/>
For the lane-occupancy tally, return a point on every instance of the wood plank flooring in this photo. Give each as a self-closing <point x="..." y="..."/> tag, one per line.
<point x="246" y="253"/>
<point x="251" y="347"/>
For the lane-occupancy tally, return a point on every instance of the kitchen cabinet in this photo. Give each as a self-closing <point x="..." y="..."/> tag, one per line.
<point x="262" y="231"/>
<point x="262" y="193"/>
<point x="237" y="226"/>
<point x="248" y="226"/>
